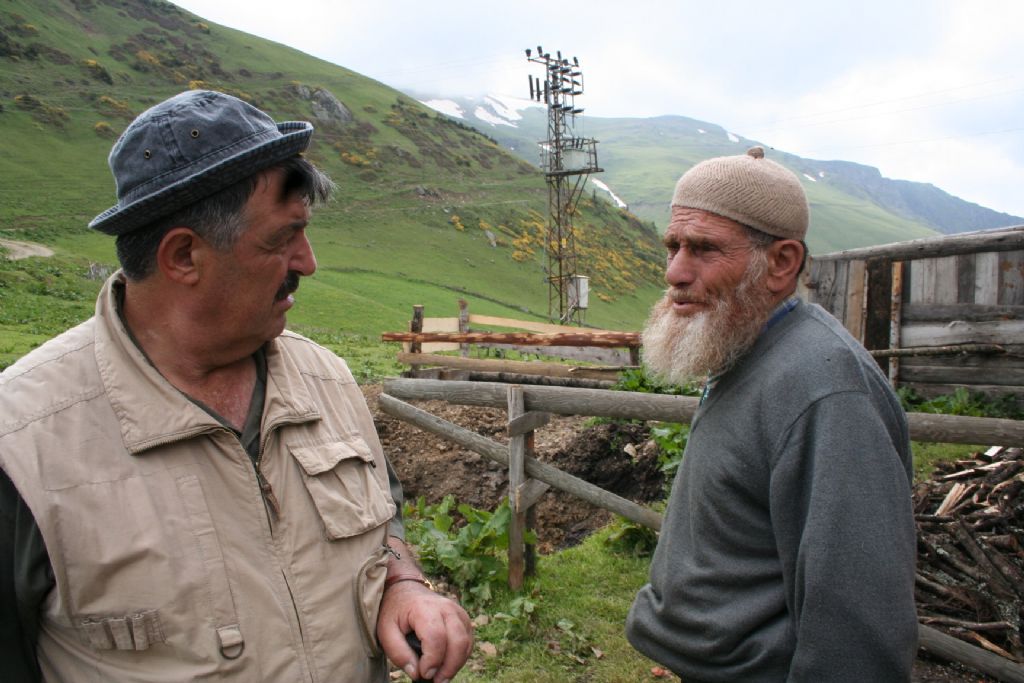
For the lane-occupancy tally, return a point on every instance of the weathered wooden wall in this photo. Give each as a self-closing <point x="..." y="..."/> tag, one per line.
<point x="961" y="289"/>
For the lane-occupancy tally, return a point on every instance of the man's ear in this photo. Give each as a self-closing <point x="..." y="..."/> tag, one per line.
<point x="785" y="257"/>
<point x="177" y="257"/>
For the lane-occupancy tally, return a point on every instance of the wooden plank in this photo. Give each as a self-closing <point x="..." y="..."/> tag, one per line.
<point x="953" y="649"/>
<point x="1005" y="239"/>
<point x="516" y="478"/>
<point x="532" y="326"/>
<point x="549" y="474"/>
<point x="952" y="374"/>
<point x="962" y="332"/>
<point x="838" y="294"/>
<point x="965" y="278"/>
<point x="945" y="286"/>
<point x="524" y="367"/>
<point x="855" y="302"/>
<point x="463" y="325"/>
<point x="917" y="276"/>
<point x="986" y="278"/>
<point x="599" y="402"/>
<point x="896" y="297"/>
<point x="962" y="429"/>
<point x="922" y="286"/>
<point x="537" y="380"/>
<point x="415" y="325"/>
<point x="967" y="312"/>
<point x="1011" y="278"/>
<point x="879" y="308"/>
<point x="530" y="492"/>
<point x="590" y="355"/>
<point x="527" y="422"/>
<point x="639" y="406"/>
<point x="601" y="340"/>
<point x="1008" y="360"/>
<point x="822" y="284"/>
<point x="994" y="391"/>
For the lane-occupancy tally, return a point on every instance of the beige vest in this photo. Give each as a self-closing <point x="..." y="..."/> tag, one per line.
<point x="170" y="562"/>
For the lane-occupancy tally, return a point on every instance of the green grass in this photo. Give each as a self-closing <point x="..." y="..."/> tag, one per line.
<point x="927" y="454"/>
<point x="592" y="613"/>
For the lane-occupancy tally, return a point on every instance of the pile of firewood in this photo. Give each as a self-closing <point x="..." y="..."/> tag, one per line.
<point x="970" y="558"/>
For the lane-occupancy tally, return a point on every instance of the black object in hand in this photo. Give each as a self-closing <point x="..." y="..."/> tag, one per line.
<point x="417" y="647"/>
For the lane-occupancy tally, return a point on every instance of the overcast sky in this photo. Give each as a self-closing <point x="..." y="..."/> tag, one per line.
<point x="925" y="90"/>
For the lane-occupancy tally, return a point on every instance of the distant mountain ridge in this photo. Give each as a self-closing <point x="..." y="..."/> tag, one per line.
<point x="519" y="123"/>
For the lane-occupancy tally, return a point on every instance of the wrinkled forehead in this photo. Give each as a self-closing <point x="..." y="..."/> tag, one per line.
<point x="687" y="223"/>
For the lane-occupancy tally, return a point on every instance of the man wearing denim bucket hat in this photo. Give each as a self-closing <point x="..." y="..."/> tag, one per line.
<point x="189" y="490"/>
<point x="788" y="545"/>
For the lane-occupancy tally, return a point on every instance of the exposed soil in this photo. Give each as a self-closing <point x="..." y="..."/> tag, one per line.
<point x="432" y="467"/>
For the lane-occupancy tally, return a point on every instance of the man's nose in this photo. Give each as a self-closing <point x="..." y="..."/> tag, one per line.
<point x="679" y="270"/>
<point x="303" y="260"/>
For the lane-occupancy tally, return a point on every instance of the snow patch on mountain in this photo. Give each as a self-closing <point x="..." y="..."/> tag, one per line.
<point x="601" y="186"/>
<point x="446" y="107"/>
<point x="732" y="138"/>
<point x="486" y="116"/>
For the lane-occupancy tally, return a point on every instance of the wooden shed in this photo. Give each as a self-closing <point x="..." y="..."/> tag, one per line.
<point x="938" y="313"/>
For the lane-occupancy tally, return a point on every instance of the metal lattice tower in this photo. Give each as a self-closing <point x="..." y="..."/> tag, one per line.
<point x="567" y="160"/>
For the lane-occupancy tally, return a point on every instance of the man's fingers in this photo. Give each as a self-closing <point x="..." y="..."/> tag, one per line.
<point x="400" y="651"/>
<point x="458" y="644"/>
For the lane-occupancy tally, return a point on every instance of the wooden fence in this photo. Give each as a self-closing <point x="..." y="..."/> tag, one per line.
<point x="610" y="350"/>
<point x="529" y="478"/>
<point x="939" y="313"/>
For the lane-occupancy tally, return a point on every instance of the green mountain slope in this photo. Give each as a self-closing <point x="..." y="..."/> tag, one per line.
<point x="427" y="210"/>
<point x="852" y="204"/>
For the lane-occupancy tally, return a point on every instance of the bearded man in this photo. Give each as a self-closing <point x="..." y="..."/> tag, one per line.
<point x="788" y="546"/>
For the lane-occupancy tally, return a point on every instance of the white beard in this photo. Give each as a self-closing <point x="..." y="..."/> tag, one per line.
<point x="679" y="349"/>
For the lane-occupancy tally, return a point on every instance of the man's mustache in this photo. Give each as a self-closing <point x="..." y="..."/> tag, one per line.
<point x="680" y="296"/>
<point x="290" y="284"/>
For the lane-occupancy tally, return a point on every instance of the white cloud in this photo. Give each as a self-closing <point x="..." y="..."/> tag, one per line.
<point x="926" y="90"/>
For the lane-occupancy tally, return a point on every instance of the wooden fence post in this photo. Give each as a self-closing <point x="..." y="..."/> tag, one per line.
<point x="416" y="325"/>
<point x="522" y="492"/>
<point x="895" y="320"/>
<point x="463" y="325"/>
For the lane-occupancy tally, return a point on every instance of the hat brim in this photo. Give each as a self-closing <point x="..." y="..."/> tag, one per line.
<point x="122" y="218"/>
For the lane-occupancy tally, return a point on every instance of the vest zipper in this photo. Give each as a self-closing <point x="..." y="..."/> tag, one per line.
<point x="273" y="509"/>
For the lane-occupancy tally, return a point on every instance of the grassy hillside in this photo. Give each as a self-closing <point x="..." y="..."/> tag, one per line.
<point x="427" y="210"/>
<point x="643" y="158"/>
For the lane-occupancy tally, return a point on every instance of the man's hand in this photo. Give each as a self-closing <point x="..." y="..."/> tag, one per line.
<point x="442" y="626"/>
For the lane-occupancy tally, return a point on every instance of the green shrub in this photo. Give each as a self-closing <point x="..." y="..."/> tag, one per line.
<point x="468" y="552"/>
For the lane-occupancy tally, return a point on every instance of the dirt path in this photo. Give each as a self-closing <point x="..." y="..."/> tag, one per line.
<point x="19" y="250"/>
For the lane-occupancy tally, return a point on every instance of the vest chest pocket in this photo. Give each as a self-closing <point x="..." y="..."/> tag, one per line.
<point x="341" y="479"/>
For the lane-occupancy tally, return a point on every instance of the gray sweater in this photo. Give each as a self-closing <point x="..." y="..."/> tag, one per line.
<point x="788" y="547"/>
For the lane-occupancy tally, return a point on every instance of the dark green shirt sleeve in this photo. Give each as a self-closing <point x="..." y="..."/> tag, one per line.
<point x="396" y="527"/>
<point x="25" y="580"/>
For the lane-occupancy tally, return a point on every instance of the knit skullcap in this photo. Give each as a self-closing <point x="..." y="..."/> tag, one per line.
<point x="749" y="189"/>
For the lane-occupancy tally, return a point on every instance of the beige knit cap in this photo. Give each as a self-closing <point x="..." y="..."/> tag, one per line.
<point x="750" y="190"/>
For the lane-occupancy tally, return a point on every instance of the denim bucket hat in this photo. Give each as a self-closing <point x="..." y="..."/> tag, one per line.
<point x="187" y="148"/>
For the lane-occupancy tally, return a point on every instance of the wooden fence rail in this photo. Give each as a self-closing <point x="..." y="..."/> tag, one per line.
<point x="662" y="408"/>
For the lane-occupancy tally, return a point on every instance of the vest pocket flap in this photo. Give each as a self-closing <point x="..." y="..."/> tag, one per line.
<point x="325" y="457"/>
<point x="342" y="480"/>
